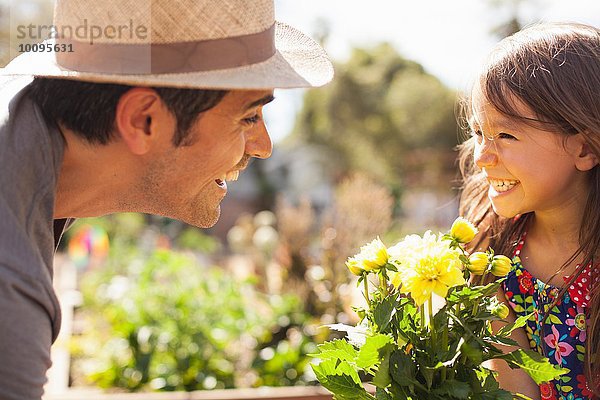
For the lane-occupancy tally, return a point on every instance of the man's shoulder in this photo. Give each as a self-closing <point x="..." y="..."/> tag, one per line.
<point x="29" y="165"/>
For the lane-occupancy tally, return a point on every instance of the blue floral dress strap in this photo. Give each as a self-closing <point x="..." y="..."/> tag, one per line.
<point x="562" y="336"/>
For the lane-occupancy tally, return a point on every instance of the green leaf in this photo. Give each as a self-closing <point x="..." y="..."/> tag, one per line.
<point x="454" y="388"/>
<point x="337" y="349"/>
<point x="488" y="378"/>
<point x="391" y="267"/>
<point x="383" y="312"/>
<point x="356" y="335"/>
<point x="537" y="366"/>
<point x="503" y="340"/>
<point x="519" y="323"/>
<point x="382" y="377"/>
<point x="402" y="369"/>
<point x="368" y="356"/>
<point x="467" y="293"/>
<point x="400" y="392"/>
<point x="473" y="350"/>
<point x="341" y="379"/>
<point x="498" y="394"/>
<point x="381" y="394"/>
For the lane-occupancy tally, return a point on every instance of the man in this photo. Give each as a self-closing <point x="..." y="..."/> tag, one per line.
<point x="136" y="106"/>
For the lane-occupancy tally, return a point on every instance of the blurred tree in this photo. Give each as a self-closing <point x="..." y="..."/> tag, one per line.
<point x="381" y="108"/>
<point x="513" y="18"/>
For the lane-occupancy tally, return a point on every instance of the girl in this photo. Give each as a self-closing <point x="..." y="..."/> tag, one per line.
<point x="532" y="185"/>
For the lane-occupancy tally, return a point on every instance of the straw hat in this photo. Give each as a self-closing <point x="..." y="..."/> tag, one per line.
<point x="219" y="44"/>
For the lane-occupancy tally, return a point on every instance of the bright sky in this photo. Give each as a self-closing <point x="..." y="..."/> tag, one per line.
<point x="449" y="38"/>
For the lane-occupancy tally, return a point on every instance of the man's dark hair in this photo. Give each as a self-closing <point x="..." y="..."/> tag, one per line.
<point x="89" y="108"/>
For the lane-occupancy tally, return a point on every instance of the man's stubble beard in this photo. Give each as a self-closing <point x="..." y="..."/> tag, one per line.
<point x="159" y="196"/>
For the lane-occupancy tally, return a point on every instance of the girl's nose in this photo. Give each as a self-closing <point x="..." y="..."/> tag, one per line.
<point x="485" y="153"/>
<point x="258" y="142"/>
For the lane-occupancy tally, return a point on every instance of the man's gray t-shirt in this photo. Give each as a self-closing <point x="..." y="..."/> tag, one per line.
<point x="30" y="158"/>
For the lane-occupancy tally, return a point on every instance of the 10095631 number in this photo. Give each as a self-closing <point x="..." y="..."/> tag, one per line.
<point x="46" y="47"/>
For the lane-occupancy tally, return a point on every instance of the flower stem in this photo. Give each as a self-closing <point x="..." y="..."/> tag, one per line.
<point x="383" y="285"/>
<point x="445" y="347"/>
<point x="476" y="305"/>
<point x="366" y="285"/>
<point x="430" y="312"/>
<point x="482" y="280"/>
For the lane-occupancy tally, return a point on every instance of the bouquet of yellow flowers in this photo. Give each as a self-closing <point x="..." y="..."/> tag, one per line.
<point x="411" y="344"/>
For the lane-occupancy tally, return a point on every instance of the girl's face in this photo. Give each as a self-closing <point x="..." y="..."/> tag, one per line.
<point x="527" y="169"/>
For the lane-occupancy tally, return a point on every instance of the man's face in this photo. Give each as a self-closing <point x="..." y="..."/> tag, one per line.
<point x="188" y="182"/>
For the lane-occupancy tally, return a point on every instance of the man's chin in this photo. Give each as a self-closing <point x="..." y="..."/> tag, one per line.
<point x="205" y="219"/>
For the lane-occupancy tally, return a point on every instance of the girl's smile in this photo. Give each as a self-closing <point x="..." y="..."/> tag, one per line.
<point x="502" y="185"/>
<point x="527" y="169"/>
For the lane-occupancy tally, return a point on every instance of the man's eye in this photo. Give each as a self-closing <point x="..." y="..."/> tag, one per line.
<point x="252" y="120"/>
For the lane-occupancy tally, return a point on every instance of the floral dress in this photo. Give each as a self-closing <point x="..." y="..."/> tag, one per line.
<point x="562" y="336"/>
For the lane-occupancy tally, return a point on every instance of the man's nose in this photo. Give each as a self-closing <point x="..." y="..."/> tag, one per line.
<point x="258" y="142"/>
<point x="485" y="153"/>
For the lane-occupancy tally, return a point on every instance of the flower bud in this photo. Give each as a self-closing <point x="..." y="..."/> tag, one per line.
<point x="462" y="230"/>
<point x="501" y="265"/>
<point x="478" y="263"/>
<point x="501" y="310"/>
<point x="373" y="256"/>
<point x="354" y="267"/>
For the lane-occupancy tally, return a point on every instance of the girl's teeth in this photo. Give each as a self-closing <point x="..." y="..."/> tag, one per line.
<point x="503" y="185"/>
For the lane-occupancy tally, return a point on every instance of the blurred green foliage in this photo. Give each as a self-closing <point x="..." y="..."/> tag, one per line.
<point x="127" y="231"/>
<point x="194" y="239"/>
<point x="164" y="322"/>
<point x="378" y="112"/>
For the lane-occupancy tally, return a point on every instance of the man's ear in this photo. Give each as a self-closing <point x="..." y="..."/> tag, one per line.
<point x="135" y="117"/>
<point x="585" y="158"/>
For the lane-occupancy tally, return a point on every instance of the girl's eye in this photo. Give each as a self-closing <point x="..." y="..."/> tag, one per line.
<point x="504" y="135"/>
<point x="252" y="120"/>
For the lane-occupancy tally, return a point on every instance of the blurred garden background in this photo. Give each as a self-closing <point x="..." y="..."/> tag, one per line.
<point x="151" y="304"/>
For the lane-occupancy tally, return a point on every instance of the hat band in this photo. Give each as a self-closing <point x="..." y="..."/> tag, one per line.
<point x="180" y="57"/>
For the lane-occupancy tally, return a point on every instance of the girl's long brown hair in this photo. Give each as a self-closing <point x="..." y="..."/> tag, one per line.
<point x="554" y="69"/>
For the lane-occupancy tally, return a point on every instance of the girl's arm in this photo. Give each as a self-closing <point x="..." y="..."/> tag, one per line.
<point x="514" y="380"/>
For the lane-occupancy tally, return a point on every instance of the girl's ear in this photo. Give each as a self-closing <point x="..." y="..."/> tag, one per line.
<point x="585" y="158"/>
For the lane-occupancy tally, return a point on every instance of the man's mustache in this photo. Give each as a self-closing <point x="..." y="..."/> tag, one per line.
<point x="243" y="162"/>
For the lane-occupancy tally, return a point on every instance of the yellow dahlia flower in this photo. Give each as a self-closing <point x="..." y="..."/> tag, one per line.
<point x="478" y="263"/>
<point x="373" y="256"/>
<point x="354" y="266"/>
<point x="501" y="265"/>
<point x="462" y="230"/>
<point x="426" y="265"/>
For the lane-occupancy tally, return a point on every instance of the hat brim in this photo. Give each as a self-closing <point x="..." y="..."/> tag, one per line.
<point x="298" y="62"/>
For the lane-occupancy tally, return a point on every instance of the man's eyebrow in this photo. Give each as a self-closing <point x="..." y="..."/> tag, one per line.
<point x="260" y="102"/>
